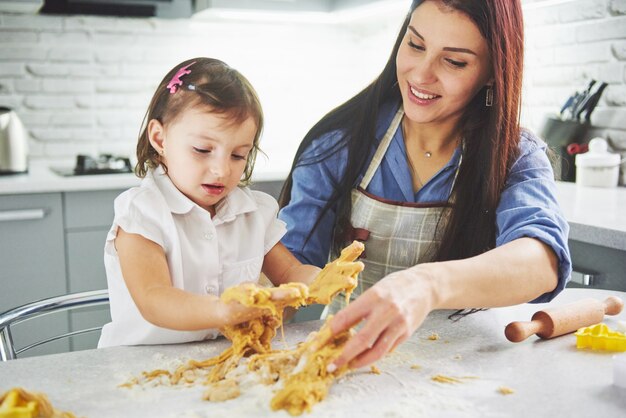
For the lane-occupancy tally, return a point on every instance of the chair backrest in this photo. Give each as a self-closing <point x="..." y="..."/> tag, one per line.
<point x="43" y="307"/>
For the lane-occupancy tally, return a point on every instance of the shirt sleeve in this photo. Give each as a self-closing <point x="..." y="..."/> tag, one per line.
<point x="313" y="185"/>
<point x="135" y="213"/>
<point x="274" y="227"/>
<point x="529" y="208"/>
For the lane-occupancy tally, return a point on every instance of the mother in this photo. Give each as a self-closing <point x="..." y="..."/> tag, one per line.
<point x="429" y="167"/>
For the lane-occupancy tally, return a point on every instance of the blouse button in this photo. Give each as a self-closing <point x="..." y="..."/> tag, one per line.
<point x="208" y="236"/>
<point x="212" y="290"/>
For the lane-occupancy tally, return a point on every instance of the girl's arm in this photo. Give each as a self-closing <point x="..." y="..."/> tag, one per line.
<point x="146" y="273"/>
<point x="395" y="307"/>
<point x="281" y="266"/>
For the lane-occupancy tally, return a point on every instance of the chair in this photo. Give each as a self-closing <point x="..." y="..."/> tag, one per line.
<point x="43" y="307"/>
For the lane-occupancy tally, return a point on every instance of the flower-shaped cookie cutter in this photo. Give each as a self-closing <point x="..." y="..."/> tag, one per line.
<point x="600" y="337"/>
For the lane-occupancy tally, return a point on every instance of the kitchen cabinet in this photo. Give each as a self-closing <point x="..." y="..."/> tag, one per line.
<point x="32" y="260"/>
<point x="597" y="267"/>
<point x="88" y="216"/>
<point x="52" y="244"/>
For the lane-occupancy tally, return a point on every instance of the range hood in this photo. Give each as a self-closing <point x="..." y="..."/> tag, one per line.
<point x="189" y="8"/>
<point x="122" y="8"/>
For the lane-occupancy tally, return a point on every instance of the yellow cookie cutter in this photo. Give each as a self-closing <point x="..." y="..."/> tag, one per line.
<point x="13" y="406"/>
<point x="600" y="337"/>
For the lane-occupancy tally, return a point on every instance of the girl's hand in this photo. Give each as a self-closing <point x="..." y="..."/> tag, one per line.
<point x="235" y="313"/>
<point x="288" y="295"/>
<point x="392" y="309"/>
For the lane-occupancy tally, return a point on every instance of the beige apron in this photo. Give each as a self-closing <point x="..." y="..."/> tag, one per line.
<point x="397" y="235"/>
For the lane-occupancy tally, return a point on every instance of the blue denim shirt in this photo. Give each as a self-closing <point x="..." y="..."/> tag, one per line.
<point x="528" y="205"/>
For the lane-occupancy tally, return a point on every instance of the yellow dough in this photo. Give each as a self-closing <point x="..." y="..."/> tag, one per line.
<point x="310" y="384"/>
<point x="301" y="370"/>
<point x="20" y="403"/>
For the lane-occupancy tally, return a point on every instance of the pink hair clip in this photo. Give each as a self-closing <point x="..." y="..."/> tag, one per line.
<point x="176" y="81"/>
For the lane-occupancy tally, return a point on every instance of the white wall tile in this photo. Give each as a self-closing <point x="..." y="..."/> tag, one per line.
<point x="82" y="83"/>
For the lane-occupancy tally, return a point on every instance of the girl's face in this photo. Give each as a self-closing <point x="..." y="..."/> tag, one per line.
<point x="205" y="153"/>
<point x="442" y="63"/>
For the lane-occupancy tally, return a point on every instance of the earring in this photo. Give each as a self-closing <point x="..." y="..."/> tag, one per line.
<point x="489" y="96"/>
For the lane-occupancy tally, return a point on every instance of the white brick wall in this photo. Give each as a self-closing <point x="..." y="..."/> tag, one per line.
<point x="569" y="42"/>
<point x="82" y="83"/>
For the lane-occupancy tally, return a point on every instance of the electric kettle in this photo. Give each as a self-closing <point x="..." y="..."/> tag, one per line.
<point x="13" y="143"/>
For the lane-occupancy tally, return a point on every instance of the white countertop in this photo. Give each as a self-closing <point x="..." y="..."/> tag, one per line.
<point x="548" y="377"/>
<point x="596" y="215"/>
<point x="41" y="179"/>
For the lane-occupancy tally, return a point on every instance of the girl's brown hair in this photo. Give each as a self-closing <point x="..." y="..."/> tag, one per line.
<point x="491" y="134"/>
<point x="211" y="83"/>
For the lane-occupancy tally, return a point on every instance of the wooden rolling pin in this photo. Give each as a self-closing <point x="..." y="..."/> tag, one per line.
<point x="564" y="319"/>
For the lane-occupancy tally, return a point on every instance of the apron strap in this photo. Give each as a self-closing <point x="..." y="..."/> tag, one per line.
<point x="382" y="148"/>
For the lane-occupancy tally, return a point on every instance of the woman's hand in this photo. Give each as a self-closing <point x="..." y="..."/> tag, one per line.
<point x="392" y="310"/>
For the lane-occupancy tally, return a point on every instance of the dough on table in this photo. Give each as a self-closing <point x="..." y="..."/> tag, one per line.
<point x="302" y="371"/>
<point x="19" y="402"/>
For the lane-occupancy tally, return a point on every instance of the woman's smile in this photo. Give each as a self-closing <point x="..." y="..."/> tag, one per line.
<point x="421" y="97"/>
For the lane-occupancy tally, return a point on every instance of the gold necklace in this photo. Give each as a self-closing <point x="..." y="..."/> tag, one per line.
<point x="427" y="154"/>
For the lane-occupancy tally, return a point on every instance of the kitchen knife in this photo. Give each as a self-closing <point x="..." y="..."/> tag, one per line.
<point x="567" y="109"/>
<point x="553" y="322"/>
<point x="592" y="103"/>
<point x="578" y="103"/>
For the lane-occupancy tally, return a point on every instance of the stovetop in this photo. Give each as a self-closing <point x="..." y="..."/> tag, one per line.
<point x="103" y="164"/>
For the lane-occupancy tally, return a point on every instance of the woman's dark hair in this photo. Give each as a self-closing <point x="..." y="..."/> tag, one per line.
<point x="211" y="84"/>
<point x="491" y="134"/>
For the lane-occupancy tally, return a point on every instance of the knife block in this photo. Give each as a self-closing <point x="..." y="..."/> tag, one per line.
<point x="559" y="134"/>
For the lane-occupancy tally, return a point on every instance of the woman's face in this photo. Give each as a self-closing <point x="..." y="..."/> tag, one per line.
<point x="442" y="63"/>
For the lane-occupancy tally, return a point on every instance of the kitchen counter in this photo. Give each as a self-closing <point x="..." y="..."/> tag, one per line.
<point x="548" y="377"/>
<point x="596" y="215"/>
<point x="41" y="179"/>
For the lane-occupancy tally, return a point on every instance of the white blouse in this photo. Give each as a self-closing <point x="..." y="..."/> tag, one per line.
<point x="204" y="255"/>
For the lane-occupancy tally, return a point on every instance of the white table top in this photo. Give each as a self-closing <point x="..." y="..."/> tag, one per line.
<point x="549" y="377"/>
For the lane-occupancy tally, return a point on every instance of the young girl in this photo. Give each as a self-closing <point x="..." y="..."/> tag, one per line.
<point x="191" y="229"/>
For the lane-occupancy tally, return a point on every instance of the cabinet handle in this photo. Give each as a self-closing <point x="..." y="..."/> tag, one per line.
<point x="585" y="278"/>
<point x="22" y="215"/>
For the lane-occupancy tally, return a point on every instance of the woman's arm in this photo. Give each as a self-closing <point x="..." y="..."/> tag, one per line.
<point x="312" y="187"/>
<point x="146" y="274"/>
<point x="531" y="262"/>
<point x="394" y="308"/>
